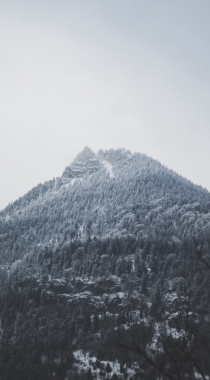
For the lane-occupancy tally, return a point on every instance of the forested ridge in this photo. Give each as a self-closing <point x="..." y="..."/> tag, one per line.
<point x="104" y="254"/>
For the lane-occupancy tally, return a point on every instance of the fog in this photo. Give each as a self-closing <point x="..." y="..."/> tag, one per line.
<point x="103" y="74"/>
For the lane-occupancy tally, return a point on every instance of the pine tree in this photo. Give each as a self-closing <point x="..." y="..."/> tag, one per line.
<point x="108" y="368"/>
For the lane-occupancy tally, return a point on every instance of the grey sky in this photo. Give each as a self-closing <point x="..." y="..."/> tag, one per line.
<point x="102" y="73"/>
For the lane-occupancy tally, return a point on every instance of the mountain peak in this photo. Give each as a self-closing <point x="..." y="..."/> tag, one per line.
<point x="88" y="162"/>
<point x="84" y="156"/>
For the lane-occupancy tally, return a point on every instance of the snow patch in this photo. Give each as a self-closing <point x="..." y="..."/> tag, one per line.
<point x="84" y="362"/>
<point x="108" y="167"/>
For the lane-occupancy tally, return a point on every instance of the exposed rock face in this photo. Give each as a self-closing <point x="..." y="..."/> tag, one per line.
<point x="88" y="162"/>
<point x="85" y="162"/>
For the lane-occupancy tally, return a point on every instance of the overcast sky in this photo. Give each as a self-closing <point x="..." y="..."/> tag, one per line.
<point x="103" y="74"/>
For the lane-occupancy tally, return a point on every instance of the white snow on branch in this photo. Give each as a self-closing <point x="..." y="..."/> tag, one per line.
<point x="108" y="167"/>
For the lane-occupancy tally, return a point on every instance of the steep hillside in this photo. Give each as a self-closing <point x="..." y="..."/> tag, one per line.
<point x="94" y="257"/>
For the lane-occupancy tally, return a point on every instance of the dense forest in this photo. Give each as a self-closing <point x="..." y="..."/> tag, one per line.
<point x="114" y="252"/>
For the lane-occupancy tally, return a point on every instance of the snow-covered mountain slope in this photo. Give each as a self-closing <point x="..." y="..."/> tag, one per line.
<point x="88" y="162"/>
<point x="95" y="257"/>
<point x="128" y="194"/>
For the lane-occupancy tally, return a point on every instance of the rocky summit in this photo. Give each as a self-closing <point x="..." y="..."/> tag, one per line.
<point x="88" y="162"/>
<point x="112" y="254"/>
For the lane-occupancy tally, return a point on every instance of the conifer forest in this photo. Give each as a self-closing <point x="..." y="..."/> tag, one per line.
<point x="105" y="274"/>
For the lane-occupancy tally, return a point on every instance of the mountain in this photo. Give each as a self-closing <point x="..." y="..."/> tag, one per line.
<point x="92" y="258"/>
<point x="86" y="162"/>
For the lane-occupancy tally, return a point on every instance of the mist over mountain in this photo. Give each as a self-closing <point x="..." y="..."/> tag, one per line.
<point x="91" y="258"/>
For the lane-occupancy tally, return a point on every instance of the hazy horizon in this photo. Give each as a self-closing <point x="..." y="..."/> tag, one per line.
<point x="105" y="75"/>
